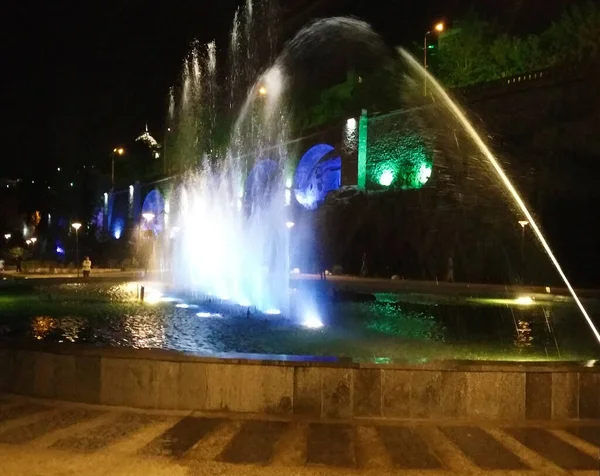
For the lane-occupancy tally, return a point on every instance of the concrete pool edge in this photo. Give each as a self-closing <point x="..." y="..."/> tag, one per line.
<point x="168" y="380"/>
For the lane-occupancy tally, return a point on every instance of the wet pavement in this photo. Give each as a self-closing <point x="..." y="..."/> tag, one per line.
<point x="54" y="438"/>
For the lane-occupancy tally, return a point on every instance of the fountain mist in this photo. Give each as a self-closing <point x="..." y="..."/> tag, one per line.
<point x="229" y="212"/>
<point x="456" y="111"/>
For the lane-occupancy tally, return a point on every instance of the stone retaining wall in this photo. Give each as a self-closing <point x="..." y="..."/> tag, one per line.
<point x="168" y="380"/>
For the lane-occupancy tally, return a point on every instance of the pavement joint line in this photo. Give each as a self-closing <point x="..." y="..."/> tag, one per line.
<point x="448" y="453"/>
<point x="370" y="450"/>
<point x="578" y="443"/>
<point x="214" y="444"/>
<point x="137" y="440"/>
<point x="290" y="450"/>
<point x="527" y="455"/>
<point x="44" y="441"/>
<point x="26" y="419"/>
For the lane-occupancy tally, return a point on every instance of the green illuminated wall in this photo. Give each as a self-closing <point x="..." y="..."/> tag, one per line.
<point x="362" y="150"/>
<point x="398" y="156"/>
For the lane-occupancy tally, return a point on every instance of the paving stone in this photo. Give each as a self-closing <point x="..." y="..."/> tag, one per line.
<point x="483" y="449"/>
<point x="254" y="443"/>
<point x="330" y="444"/>
<point x="181" y="437"/>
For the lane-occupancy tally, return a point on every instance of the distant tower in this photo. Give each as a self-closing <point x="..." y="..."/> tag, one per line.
<point x="146" y="139"/>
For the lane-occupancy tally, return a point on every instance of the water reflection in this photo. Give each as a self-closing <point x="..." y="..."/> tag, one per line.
<point x="377" y="330"/>
<point x="145" y="331"/>
<point x="41" y="326"/>
<point x="59" y="329"/>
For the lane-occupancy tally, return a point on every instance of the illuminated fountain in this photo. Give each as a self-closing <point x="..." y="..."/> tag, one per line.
<point x="441" y="97"/>
<point x="231" y="238"/>
<point x="232" y="230"/>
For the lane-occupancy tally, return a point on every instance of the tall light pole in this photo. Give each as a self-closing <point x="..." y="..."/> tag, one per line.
<point x="523" y="224"/>
<point x="165" y="151"/>
<point x="116" y="151"/>
<point x="77" y="226"/>
<point x="33" y="239"/>
<point x="148" y="216"/>
<point x="439" y="27"/>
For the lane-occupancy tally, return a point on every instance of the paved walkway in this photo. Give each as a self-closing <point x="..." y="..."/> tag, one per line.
<point x="358" y="284"/>
<point x="48" y="438"/>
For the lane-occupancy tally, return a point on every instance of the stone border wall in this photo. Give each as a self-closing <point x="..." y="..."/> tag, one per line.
<point x="168" y="380"/>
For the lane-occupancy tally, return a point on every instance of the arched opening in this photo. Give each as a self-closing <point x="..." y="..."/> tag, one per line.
<point x="318" y="173"/>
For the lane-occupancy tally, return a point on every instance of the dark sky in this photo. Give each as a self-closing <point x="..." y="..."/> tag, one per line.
<point x="81" y="76"/>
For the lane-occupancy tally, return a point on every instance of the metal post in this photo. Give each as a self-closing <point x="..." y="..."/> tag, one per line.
<point x="425" y="63"/>
<point x="112" y="173"/>
<point x="77" y="250"/>
<point x="522" y="255"/>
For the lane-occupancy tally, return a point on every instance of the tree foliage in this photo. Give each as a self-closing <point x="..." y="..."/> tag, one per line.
<point x="475" y="51"/>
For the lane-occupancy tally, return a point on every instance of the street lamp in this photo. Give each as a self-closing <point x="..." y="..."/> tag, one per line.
<point x="148" y="216"/>
<point x="262" y="91"/>
<point x="33" y="239"/>
<point x="439" y="27"/>
<point x="523" y="224"/>
<point x="7" y="236"/>
<point x="116" y="151"/>
<point x="77" y="226"/>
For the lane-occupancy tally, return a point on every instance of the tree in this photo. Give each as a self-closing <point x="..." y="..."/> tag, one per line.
<point x="464" y="56"/>
<point x="576" y="35"/>
<point x="475" y="52"/>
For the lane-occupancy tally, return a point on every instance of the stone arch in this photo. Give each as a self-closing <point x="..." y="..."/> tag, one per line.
<point x="153" y="203"/>
<point x="318" y="173"/>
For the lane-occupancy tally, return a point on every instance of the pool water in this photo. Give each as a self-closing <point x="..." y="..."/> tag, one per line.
<point x="373" y="328"/>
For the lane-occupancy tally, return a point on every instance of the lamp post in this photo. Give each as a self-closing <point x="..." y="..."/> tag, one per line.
<point x="439" y="27"/>
<point x="33" y="239"/>
<point x="523" y="224"/>
<point x="116" y="151"/>
<point x="77" y="226"/>
<point x="148" y="217"/>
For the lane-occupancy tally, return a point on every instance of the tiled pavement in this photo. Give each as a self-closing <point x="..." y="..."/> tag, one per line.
<point x="38" y="437"/>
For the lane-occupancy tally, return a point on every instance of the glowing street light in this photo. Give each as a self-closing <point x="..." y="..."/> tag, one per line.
<point x="290" y="224"/>
<point x="33" y="239"/>
<point x="28" y="242"/>
<point x="438" y="28"/>
<point x="77" y="226"/>
<point x="116" y="151"/>
<point x="523" y="224"/>
<point x="7" y="236"/>
<point x="262" y="91"/>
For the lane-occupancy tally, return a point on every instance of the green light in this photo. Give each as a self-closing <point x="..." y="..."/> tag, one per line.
<point x="397" y="160"/>
<point x="386" y="178"/>
<point x="431" y="47"/>
<point x="362" y="150"/>
<point x="424" y="173"/>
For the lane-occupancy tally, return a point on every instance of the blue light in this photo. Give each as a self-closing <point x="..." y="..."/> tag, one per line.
<point x="60" y="251"/>
<point x="318" y="173"/>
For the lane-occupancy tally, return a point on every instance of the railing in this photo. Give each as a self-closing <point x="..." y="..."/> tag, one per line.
<point x="556" y="74"/>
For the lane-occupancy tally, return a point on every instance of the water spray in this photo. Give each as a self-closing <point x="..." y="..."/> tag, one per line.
<point x="461" y="116"/>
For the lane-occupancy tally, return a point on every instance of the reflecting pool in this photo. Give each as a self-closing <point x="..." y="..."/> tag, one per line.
<point x="369" y="328"/>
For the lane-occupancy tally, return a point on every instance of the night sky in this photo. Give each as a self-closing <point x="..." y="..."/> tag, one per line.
<point x="81" y="77"/>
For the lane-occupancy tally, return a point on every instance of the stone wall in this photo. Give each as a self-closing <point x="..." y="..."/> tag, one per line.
<point x="169" y="380"/>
